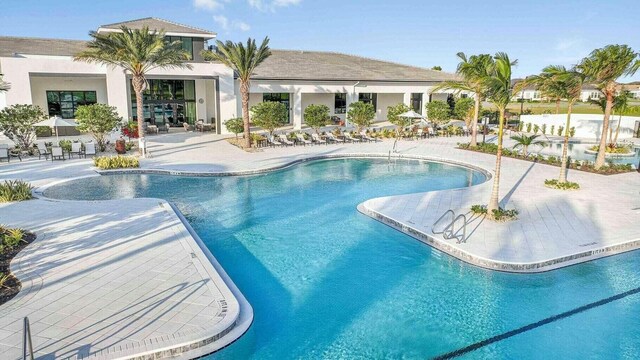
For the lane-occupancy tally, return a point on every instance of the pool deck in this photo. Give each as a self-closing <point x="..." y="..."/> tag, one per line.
<point x="554" y="229"/>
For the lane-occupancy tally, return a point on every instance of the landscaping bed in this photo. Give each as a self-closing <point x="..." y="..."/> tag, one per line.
<point x="11" y="286"/>
<point x="588" y="166"/>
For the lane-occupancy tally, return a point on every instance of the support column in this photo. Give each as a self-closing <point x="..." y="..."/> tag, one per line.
<point x="118" y="92"/>
<point x="351" y="98"/>
<point x="297" y="110"/>
<point x="406" y="99"/>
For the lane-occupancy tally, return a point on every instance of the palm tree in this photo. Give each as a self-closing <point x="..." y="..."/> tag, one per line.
<point x="137" y="51"/>
<point x="620" y="105"/>
<point x="473" y="70"/>
<point x="243" y="59"/>
<point x="603" y="67"/>
<point x="4" y="86"/>
<point x="544" y="83"/>
<point x="524" y="141"/>
<point x="565" y="84"/>
<point x="499" y="92"/>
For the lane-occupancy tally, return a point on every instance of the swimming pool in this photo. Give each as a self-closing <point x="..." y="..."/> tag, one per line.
<point x="327" y="282"/>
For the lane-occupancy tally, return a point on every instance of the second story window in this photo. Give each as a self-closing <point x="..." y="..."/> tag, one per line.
<point x="187" y="44"/>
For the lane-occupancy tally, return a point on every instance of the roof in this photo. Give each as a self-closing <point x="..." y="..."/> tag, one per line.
<point x="157" y="24"/>
<point x="316" y="65"/>
<point x="10" y="45"/>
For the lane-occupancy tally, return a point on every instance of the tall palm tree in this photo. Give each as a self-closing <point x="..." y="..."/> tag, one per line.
<point x="620" y="105"/>
<point x="565" y="84"/>
<point x="524" y="141"/>
<point x="4" y="86"/>
<point x="473" y="70"/>
<point x="603" y="67"/>
<point x="137" y="51"/>
<point x="243" y="59"/>
<point x="499" y="92"/>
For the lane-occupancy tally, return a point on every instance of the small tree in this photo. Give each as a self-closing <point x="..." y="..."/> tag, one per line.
<point x="438" y="112"/>
<point x="361" y="114"/>
<point x="393" y="113"/>
<point x="17" y="122"/>
<point x="464" y="109"/>
<point x="98" y="120"/>
<point x="235" y="125"/>
<point x="269" y="115"/>
<point x="316" y="116"/>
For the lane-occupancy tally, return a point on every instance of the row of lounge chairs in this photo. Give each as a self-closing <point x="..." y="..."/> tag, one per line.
<point x="283" y="140"/>
<point x="58" y="153"/>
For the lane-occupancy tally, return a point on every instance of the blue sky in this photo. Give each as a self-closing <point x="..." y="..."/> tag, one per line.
<point x="422" y="33"/>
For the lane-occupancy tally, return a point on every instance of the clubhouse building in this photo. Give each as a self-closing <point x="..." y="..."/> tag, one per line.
<point x="42" y="72"/>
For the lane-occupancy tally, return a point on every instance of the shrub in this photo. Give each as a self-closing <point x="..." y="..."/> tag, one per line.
<point x="4" y="278"/>
<point x="269" y="115"/>
<point x="572" y="131"/>
<point x="98" y="120"/>
<point x="553" y="128"/>
<point x="543" y="128"/>
<point x="235" y="125"/>
<point x="316" y="116"/>
<point x="438" y="111"/>
<point x="130" y="130"/>
<point x="115" y="162"/>
<point x="464" y="109"/>
<point x="567" y="185"/>
<point x="17" y="121"/>
<point x="395" y="110"/>
<point x="361" y="114"/>
<point x="536" y="128"/>
<point x="560" y="130"/>
<point x="479" y="209"/>
<point x="529" y="125"/>
<point x="65" y="145"/>
<point x="13" y="237"/>
<point x="520" y="126"/>
<point x="15" y="190"/>
<point x="504" y="215"/>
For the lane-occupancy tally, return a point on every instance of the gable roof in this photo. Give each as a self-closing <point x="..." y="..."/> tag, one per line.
<point x="317" y="65"/>
<point x="157" y="24"/>
<point x="10" y="45"/>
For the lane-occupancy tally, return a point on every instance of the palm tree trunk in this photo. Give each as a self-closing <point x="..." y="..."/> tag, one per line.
<point x="525" y="151"/>
<point x="493" y="200"/>
<point x="615" y="139"/>
<point x="565" y="146"/>
<point x="138" y="85"/>
<point x="244" y="91"/>
<point x="605" y="129"/>
<point x="557" y="106"/>
<point x="474" y="126"/>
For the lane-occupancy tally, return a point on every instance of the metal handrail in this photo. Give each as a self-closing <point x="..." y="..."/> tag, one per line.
<point x="26" y="337"/>
<point x="433" y="227"/>
<point x="449" y="231"/>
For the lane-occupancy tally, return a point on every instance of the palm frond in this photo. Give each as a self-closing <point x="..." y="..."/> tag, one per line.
<point x="242" y="58"/>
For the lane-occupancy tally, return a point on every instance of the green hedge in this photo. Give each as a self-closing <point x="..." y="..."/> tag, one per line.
<point x="116" y="162"/>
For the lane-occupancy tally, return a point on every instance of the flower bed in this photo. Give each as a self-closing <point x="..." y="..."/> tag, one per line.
<point x="116" y="162"/>
<point x="11" y="242"/>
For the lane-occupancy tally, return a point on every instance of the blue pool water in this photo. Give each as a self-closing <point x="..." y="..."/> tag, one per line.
<point x="326" y="282"/>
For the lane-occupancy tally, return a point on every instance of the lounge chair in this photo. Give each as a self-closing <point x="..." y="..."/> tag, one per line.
<point x="348" y="137"/>
<point x="365" y="137"/>
<point x="316" y="139"/>
<point x="284" y="140"/>
<point x="420" y="134"/>
<point x="273" y="142"/>
<point x="43" y="151"/>
<point x="302" y="140"/>
<point x="163" y="128"/>
<point x="186" y="126"/>
<point x="432" y="132"/>
<point x="76" y="148"/>
<point x="333" y="138"/>
<point x="57" y="153"/>
<point x="89" y="149"/>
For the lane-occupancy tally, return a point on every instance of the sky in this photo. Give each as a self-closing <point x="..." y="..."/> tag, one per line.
<point x="421" y="33"/>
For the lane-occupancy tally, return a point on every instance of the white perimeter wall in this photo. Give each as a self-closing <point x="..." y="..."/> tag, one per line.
<point x="587" y="125"/>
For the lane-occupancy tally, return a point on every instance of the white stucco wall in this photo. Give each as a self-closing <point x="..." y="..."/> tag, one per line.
<point x="587" y="126"/>
<point x="384" y="101"/>
<point x="40" y="85"/>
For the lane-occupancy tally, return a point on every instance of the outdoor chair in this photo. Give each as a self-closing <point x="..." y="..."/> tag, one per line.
<point x="302" y="140"/>
<point x="333" y="138"/>
<point x="284" y="140"/>
<point x="420" y="134"/>
<point x="348" y="137"/>
<point x="366" y="137"/>
<point x="163" y="128"/>
<point x="43" y="151"/>
<point x="57" y="153"/>
<point x="316" y="139"/>
<point x="432" y="133"/>
<point x="89" y="149"/>
<point x="273" y="142"/>
<point x="76" y="148"/>
<point x="186" y="126"/>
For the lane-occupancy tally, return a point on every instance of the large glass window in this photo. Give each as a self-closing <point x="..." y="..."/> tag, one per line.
<point x="369" y="98"/>
<point x="416" y="102"/>
<point x="340" y="103"/>
<point x="65" y="103"/>
<point x="167" y="102"/>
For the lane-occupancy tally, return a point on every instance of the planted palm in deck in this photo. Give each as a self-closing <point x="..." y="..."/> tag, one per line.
<point x="602" y="68"/>
<point x="499" y="92"/>
<point x="243" y="59"/>
<point x="524" y="141"/>
<point x="565" y="84"/>
<point x="473" y="70"/>
<point x="4" y="86"/>
<point x="137" y="51"/>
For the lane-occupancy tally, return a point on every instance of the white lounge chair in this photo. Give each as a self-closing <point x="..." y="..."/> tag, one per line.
<point x="333" y="138"/>
<point x="316" y="138"/>
<point x="302" y="140"/>
<point x="76" y="148"/>
<point x="89" y="149"/>
<point x="284" y="140"/>
<point x="57" y="153"/>
<point x="273" y="142"/>
<point x="366" y="137"/>
<point x="432" y="132"/>
<point x="348" y="137"/>
<point x="43" y="151"/>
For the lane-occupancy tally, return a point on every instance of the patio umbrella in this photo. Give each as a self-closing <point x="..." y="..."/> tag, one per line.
<point x="56" y="122"/>
<point x="414" y="115"/>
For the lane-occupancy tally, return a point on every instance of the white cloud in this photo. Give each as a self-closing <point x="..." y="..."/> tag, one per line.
<point x="272" y="5"/>
<point x="226" y="24"/>
<point x="209" y="4"/>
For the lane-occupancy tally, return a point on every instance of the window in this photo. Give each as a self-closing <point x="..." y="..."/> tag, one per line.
<point x="594" y="95"/>
<point x="187" y="43"/>
<point x="369" y="98"/>
<point x="416" y="102"/>
<point x="340" y="103"/>
<point x="65" y="103"/>
<point x="167" y="102"/>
